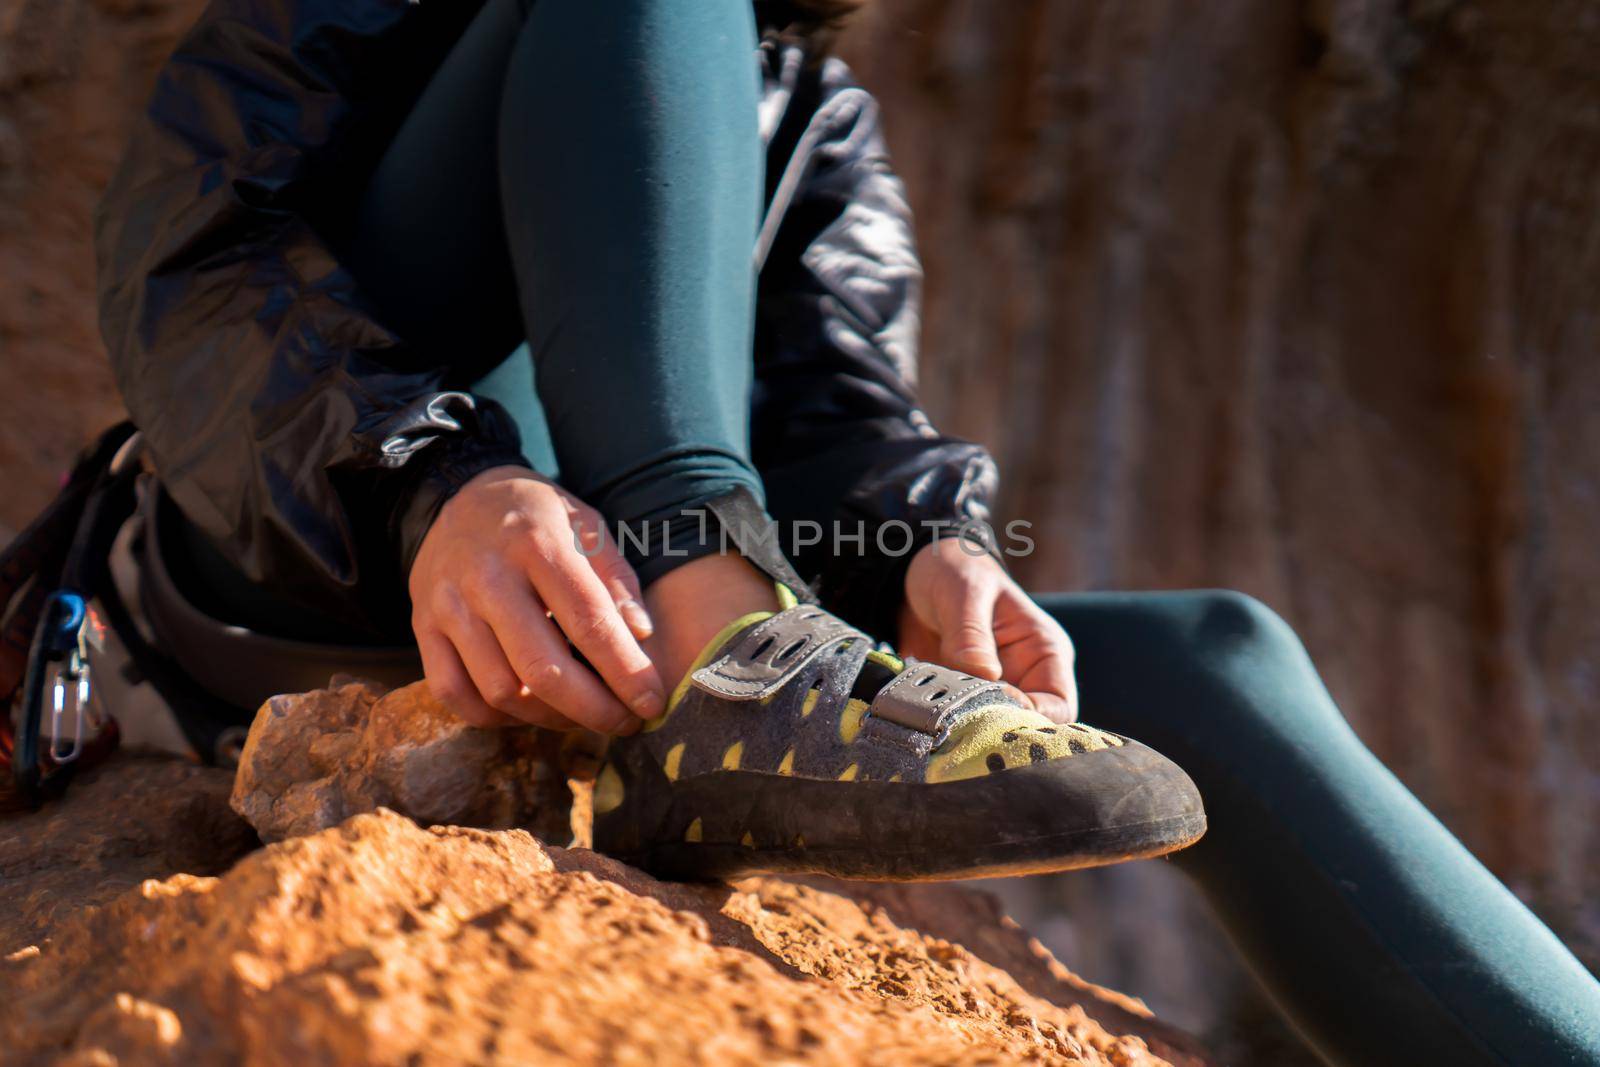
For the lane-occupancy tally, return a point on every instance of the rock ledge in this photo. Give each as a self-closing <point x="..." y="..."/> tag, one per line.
<point x="378" y="941"/>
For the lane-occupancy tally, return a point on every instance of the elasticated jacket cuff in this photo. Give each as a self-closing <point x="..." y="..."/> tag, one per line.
<point x="443" y="467"/>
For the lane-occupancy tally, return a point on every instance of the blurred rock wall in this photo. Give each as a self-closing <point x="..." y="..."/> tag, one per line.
<point x="1301" y="298"/>
<point x="73" y="73"/>
<point x="1304" y="299"/>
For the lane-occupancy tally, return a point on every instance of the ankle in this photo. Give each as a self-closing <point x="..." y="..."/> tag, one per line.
<point x="693" y="603"/>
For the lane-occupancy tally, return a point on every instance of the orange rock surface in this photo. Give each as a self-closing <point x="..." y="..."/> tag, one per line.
<point x="381" y="942"/>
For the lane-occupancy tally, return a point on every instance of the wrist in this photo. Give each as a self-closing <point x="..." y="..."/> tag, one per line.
<point x="951" y="552"/>
<point x="439" y="486"/>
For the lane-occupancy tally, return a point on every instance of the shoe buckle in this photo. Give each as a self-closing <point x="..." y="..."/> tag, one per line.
<point x="774" y="652"/>
<point x="922" y="697"/>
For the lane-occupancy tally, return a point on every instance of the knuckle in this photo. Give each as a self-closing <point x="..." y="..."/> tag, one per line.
<point x="479" y="583"/>
<point x="456" y="696"/>
<point x="541" y="675"/>
<point x="449" y="692"/>
<point x="517" y="523"/>
<point x="501" y="693"/>
<point x="595" y="627"/>
<point x="972" y="631"/>
<point x="447" y="603"/>
<point x="589" y="538"/>
<point x="544" y="546"/>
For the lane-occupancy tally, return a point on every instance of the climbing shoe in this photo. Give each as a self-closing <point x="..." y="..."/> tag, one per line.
<point x="796" y="746"/>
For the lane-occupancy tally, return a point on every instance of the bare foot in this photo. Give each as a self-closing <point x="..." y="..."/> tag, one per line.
<point x="691" y="604"/>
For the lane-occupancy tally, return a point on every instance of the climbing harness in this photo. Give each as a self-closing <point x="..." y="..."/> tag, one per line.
<point x="49" y="577"/>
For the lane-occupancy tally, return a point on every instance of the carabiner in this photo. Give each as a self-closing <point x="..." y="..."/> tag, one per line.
<point x="56" y="636"/>
<point x="76" y="671"/>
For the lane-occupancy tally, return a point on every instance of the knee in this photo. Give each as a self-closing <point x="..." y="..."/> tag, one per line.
<point x="1224" y="621"/>
<point x="1183" y="670"/>
<point x="1245" y="668"/>
<point x="1230" y="613"/>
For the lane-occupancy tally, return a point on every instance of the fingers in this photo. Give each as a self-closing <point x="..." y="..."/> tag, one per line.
<point x="987" y="626"/>
<point x="966" y="626"/>
<point x="497" y="684"/>
<point x="589" y="617"/>
<point x="605" y="558"/>
<point x="1053" y="707"/>
<point x="1056" y="688"/>
<point x="917" y="639"/>
<point x="1038" y="655"/>
<point x="499" y="551"/>
<point x="450" y="686"/>
<point x="532" y="652"/>
<point x="1049" y="681"/>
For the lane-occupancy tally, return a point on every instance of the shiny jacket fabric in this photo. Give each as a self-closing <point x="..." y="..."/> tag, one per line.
<point x="291" y="426"/>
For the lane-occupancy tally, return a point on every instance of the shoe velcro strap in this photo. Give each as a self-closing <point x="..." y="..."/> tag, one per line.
<point x="773" y="652"/>
<point x="924" y="696"/>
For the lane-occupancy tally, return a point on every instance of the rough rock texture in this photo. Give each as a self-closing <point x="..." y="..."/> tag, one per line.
<point x="314" y="759"/>
<point x="73" y="73"/>
<point x="380" y="942"/>
<point x="126" y="821"/>
<point x="1297" y="296"/>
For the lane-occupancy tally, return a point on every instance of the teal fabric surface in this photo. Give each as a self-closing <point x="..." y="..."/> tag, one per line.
<point x="599" y="206"/>
<point x="1373" y="928"/>
<point x="512" y="385"/>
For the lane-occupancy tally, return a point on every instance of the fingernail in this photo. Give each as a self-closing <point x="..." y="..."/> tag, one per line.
<point x="648" y="705"/>
<point x="638" y="618"/>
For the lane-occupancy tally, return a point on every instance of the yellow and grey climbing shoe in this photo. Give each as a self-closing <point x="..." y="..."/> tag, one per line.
<point x="796" y="746"/>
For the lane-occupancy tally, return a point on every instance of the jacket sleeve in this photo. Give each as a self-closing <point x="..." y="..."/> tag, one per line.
<point x="838" y="433"/>
<point x="295" y="431"/>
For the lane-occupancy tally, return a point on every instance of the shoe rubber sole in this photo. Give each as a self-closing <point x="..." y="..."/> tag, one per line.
<point x="1086" y="810"/>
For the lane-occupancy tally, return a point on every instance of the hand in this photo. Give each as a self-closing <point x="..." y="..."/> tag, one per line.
<point x="963" y="610"/>
<point x="498" y="589"/>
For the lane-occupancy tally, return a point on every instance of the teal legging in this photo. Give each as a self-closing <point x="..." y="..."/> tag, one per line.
<point x="586" y="176"/>
<point x="1379" y="936"/>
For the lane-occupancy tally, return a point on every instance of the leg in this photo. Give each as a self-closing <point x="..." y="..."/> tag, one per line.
<point x="1378" y="934"/>
<point x="590" y="175"/>
<point x="526" y="194"/>
<point x="426" y="239"/>
<point x="633" y="243"/>
<point x="634" y="250"/>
